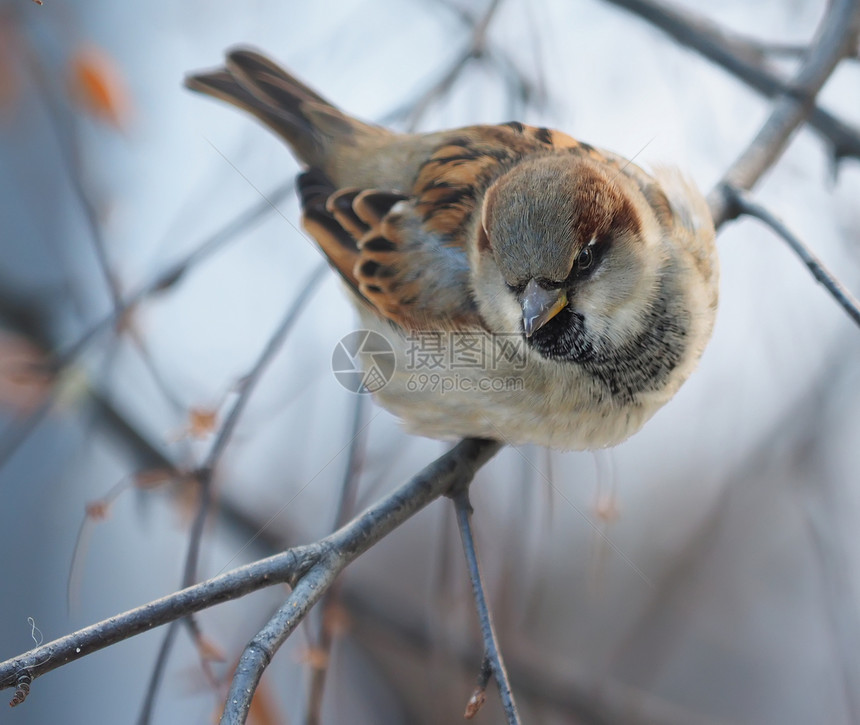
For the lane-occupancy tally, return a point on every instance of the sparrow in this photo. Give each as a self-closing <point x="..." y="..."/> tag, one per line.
<point x="534" y="288"/>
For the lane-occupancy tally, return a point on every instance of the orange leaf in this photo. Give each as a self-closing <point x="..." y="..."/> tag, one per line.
<point x="476" y="702"/>
<point x="98" y="510"/>
<point x="315" y="657"/>
<point x="25" y="375"/>
<point x="153" y="478"/>
<point x="201" y="421"/>
<point x="336" y="619"/>
<point x="98" y="86"/>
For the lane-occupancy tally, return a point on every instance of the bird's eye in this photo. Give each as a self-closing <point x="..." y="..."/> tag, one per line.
<point x="585" y="259"/>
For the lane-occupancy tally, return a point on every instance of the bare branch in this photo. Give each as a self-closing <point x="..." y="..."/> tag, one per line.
<point x="578" y="692"/>
<point x="260" y="650"/>
<point x="312" y="569"/>
<point x="492" y="660"/>
<point x="742" y="58"/>
<point x="63" y="126"/>
<point x="334" y="552"/>
<point x="203" y="475"/>
<point x="456" y="467"/>
<point x="25" y="425"/>
<point x="594" y="698"/>
<point x="833" y="41"/>
<point x="285" y="567"/>
<point x="476" y="49"/>
<point x="346" y="502"/>
<point x="603" y="701"/>
<point x="743" y="203"/>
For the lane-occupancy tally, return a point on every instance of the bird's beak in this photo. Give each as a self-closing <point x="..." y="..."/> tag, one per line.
<point x="540" y="306"/>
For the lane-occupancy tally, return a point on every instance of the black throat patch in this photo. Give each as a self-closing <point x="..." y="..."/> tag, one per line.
<point x="642" y="363"/>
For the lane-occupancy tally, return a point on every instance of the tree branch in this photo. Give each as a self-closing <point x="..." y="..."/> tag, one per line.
<point x="833" y="41"/>
<point x="742" y="58"/>
<point x="334" y="552"/>
<point x="204" y="473"/>
<point x="457" y="467"/>
<point x="346" y="502"/>
<point x="477" y="49"/>
<point x="493" y="663"/>
<point x="743" y="203"/>
<point x="312" y="569"/>
<point x="23" y="426"/>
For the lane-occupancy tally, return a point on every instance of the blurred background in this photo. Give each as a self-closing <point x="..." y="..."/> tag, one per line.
<point x="705" y="571"/>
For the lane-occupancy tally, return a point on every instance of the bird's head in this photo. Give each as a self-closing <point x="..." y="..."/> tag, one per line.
<point x="566" y="252"/>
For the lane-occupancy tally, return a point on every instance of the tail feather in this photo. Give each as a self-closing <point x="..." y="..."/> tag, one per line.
<point x="223" y="85"/>
<point x="312" y="126"/>
<point x="266" y="75"/>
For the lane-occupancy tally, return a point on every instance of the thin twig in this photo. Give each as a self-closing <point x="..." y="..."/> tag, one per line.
<point x="204" y="474"/>
<point x="158" y="668"/>
<point x="729" y="51"/>
<point x="260" y="650"/>
<point x="599" y="700"/>
<point x="678" y="583"/>
<point x="346" y="503"/>
<point x="595" y="698"/>
<point x="413" y="110"/>
<point x="577" y="693"/>
<point x="835" y="40"/>
<point x="456" y="467"/>
<point x="831" y="44"/>
<point x="24" y="426"/>
<point x="277" y="569"/>
<point x="492" y="654"/>
<point x="745" y="204"/>
<point x="339" y="549"/>
<point x="63" y="126"/>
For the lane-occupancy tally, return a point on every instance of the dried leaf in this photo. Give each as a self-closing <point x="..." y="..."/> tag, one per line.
<point x="316" y="657"/>
<point x="25" y="375"/>
<point x="98" y="510"/>
<point x="186" y="497"/>
<point x="201" y="422"/>
<point x="98" y="87"/>
<point x="153" y="478"/>
<point x="476" y="702"/>
<point x="336" y="619"/>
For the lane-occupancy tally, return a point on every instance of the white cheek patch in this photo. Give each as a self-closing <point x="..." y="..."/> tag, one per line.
<point x="496" y="304"/>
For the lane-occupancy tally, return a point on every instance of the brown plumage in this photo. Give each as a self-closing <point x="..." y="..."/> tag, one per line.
<point x="607" y="274"/>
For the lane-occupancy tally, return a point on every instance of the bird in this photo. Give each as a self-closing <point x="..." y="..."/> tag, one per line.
<point x="533" y="288"/>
